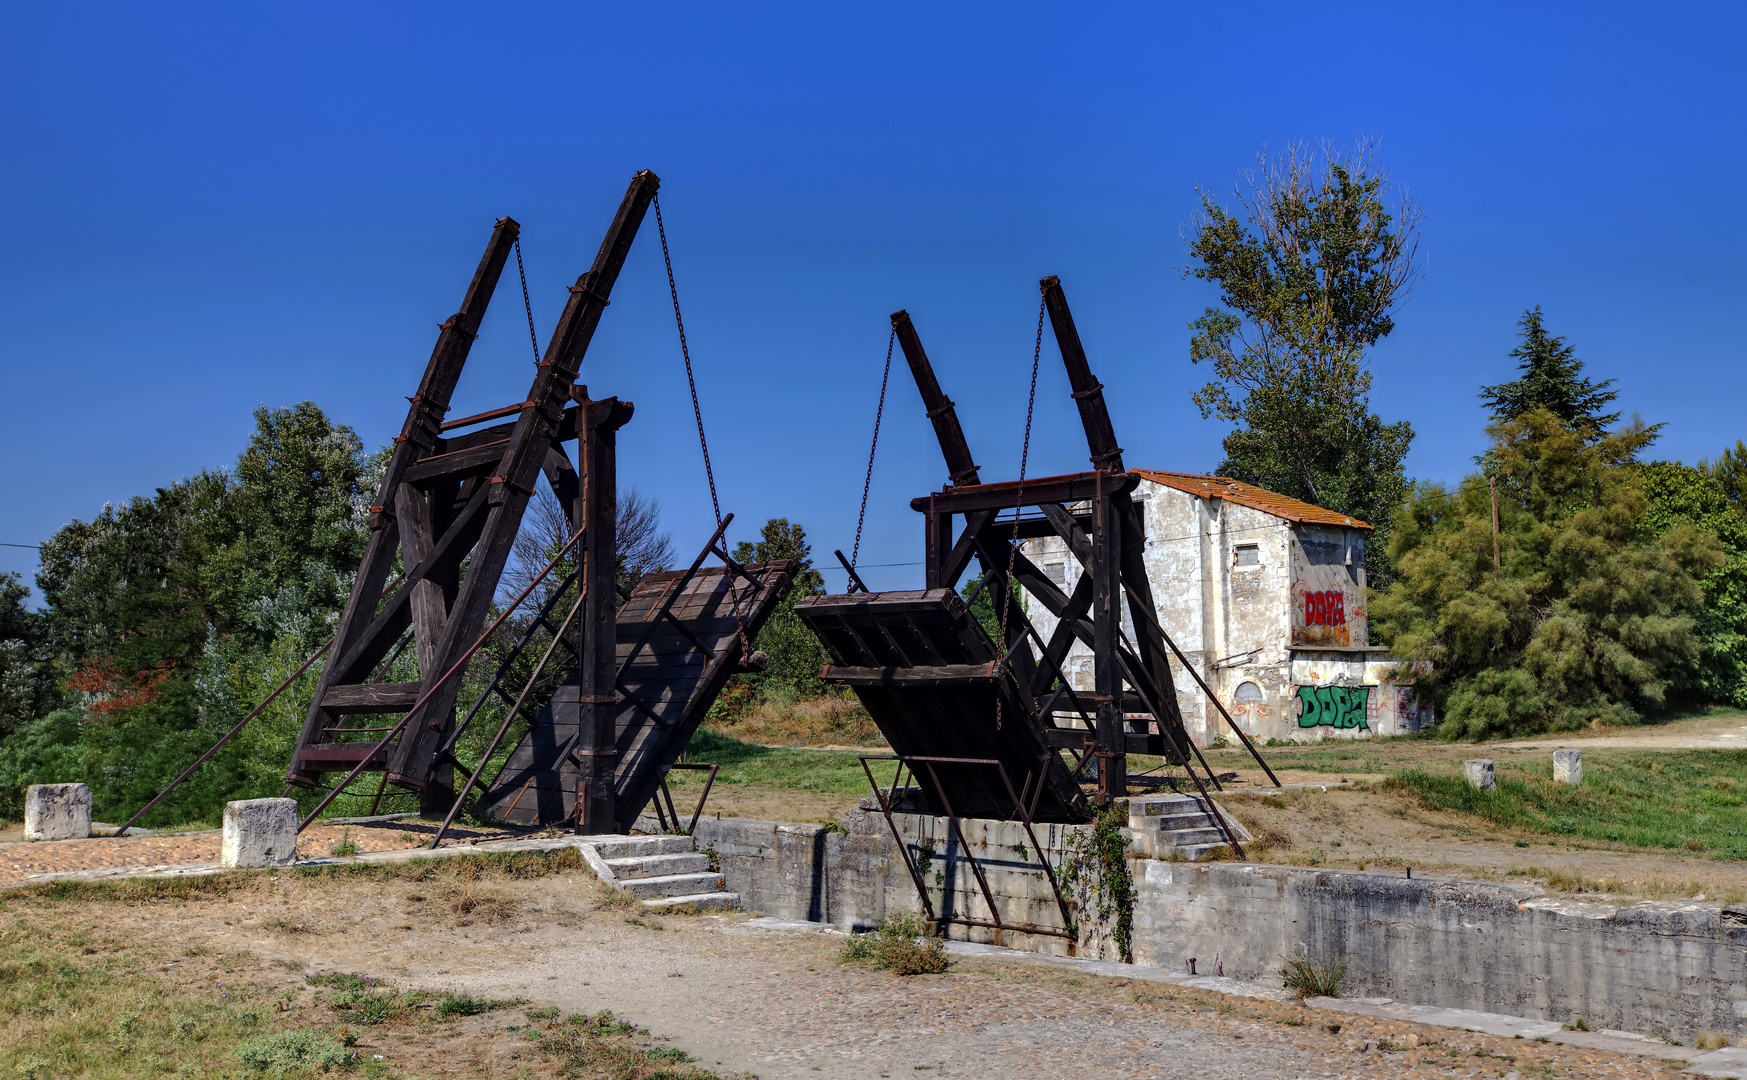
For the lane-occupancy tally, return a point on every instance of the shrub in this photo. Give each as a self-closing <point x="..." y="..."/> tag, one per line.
<point x="1311" y="978"/>
<point x="903" y="945"/>
<point x="298" y="1048"/>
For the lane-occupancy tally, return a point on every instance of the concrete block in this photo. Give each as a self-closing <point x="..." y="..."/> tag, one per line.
<point x="1478" y="771"/>
<point x="57" y="812"/>
<point x="1568" y="766"/>
<point x="259" y="832"/>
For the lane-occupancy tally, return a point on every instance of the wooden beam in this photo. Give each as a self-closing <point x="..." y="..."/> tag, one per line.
<point x="1088" y="392"/>
<point x="371" y="697"/>
<point x="417" y="437"/>
<point x="940" y="675"/>
<point x="960" y="469"/>
<point x="1075" y="487"/>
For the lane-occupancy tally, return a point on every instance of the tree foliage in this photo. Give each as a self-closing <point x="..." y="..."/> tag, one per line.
<point x="1594" y="611"/>
<point x="1730" y="473"/>
<point x="795" y="654"/>
<point x="164" y="614"/>
<point x="1311" y="267"/>
<point x="1693" y="495"/>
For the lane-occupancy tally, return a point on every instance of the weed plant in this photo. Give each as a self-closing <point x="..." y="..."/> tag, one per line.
<point x="1312" y="978"/>
<point x="904" y="945"/>
<point x="299" y="1048"/>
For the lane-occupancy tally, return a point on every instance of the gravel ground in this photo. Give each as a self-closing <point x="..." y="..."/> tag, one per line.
<point x="20" y="861"/>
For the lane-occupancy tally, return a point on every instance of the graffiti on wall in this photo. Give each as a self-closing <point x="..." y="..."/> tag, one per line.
<point x="1411" y="714"/>
<point x="1327" y="608"/>
<point x="1341" y="707"/>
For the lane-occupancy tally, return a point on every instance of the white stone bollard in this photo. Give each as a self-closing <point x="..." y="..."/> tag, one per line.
<point x="1478" y="771"/>
<point x="57" y="812"/>
<point x="260" y="832"/>
<point x="1568" y="766"/>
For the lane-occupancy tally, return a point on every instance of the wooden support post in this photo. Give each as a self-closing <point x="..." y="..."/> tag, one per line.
<point x="937" y="545"/>
<point x="597" y="668"/>
<point x="1106" y="671"/>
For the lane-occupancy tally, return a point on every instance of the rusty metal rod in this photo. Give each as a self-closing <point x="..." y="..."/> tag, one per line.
<point x="509" y="718"/>
<point x="521" y="643"/>
<point x="189" y="771"/>
<point x="458" y="666"/>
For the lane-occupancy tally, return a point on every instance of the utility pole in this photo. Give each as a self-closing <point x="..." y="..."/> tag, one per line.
<point x="1493" y="481"/>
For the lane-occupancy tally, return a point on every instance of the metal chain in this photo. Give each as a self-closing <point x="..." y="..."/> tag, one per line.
<point x="1019" y="494"/>
<point x="684" y="351"/>
<point x="697" y="412"/>
<point x="867" y="481"/>
<point x="527" y="305"/>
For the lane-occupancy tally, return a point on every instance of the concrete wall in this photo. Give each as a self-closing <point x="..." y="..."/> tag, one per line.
<point x="1654" y="967"/>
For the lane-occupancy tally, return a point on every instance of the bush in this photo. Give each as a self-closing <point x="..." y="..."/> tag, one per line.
<point x="903" y="945"/>
<point x="1310" y="978"/>
<point x="298" y="1048"/>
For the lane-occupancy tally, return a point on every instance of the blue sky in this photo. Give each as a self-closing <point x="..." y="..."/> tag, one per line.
<point x="210" y="208"/>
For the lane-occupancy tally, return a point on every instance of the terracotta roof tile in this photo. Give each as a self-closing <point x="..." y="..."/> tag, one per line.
<point x="1268" y="502"/>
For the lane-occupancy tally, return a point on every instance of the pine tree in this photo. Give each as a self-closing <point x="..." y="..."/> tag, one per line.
<point x="1551" y="379"/>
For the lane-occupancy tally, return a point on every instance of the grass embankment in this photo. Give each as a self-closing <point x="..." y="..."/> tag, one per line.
<point x="1693" y="800"/>
<point x="92" y="986"/>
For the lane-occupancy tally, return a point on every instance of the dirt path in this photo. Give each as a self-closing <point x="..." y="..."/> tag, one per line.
<point x="743" y="1001"/>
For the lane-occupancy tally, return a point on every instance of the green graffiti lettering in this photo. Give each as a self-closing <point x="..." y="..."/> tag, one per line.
<point x="1332" y="706"/>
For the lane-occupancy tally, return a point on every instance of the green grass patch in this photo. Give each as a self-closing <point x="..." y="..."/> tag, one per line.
<point x="835" y="772"/>
<point x="1692" y="800"/>
<point x="458" y="1003"/>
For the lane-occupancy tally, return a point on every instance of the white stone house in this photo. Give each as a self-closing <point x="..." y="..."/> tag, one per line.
<point x="1265" y="595"/>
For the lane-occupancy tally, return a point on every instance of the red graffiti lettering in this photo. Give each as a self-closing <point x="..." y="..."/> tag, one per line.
<point x="1325" y="608"/>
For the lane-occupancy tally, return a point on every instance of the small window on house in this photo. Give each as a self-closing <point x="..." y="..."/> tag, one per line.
<point x="1248" y="693"/>
<point x="1247" y="555"/>
<point x="1056" y="572"/>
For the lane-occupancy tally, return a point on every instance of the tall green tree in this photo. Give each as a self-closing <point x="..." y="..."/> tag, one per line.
<point x="1311" y="266"/>
<point x="1594" y="611"/>
<point x="1552" y="379"/>
<point x="795" y="654"/>
<point x="295" y="521"/>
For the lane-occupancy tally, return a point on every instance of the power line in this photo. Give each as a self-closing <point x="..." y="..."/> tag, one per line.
<point x="33" y="547"/>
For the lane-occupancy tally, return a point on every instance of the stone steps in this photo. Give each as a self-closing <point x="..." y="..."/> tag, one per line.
<point x="648" y="866"/>
<point x="662" y="872"/>
<point x="1176" y="826"/>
